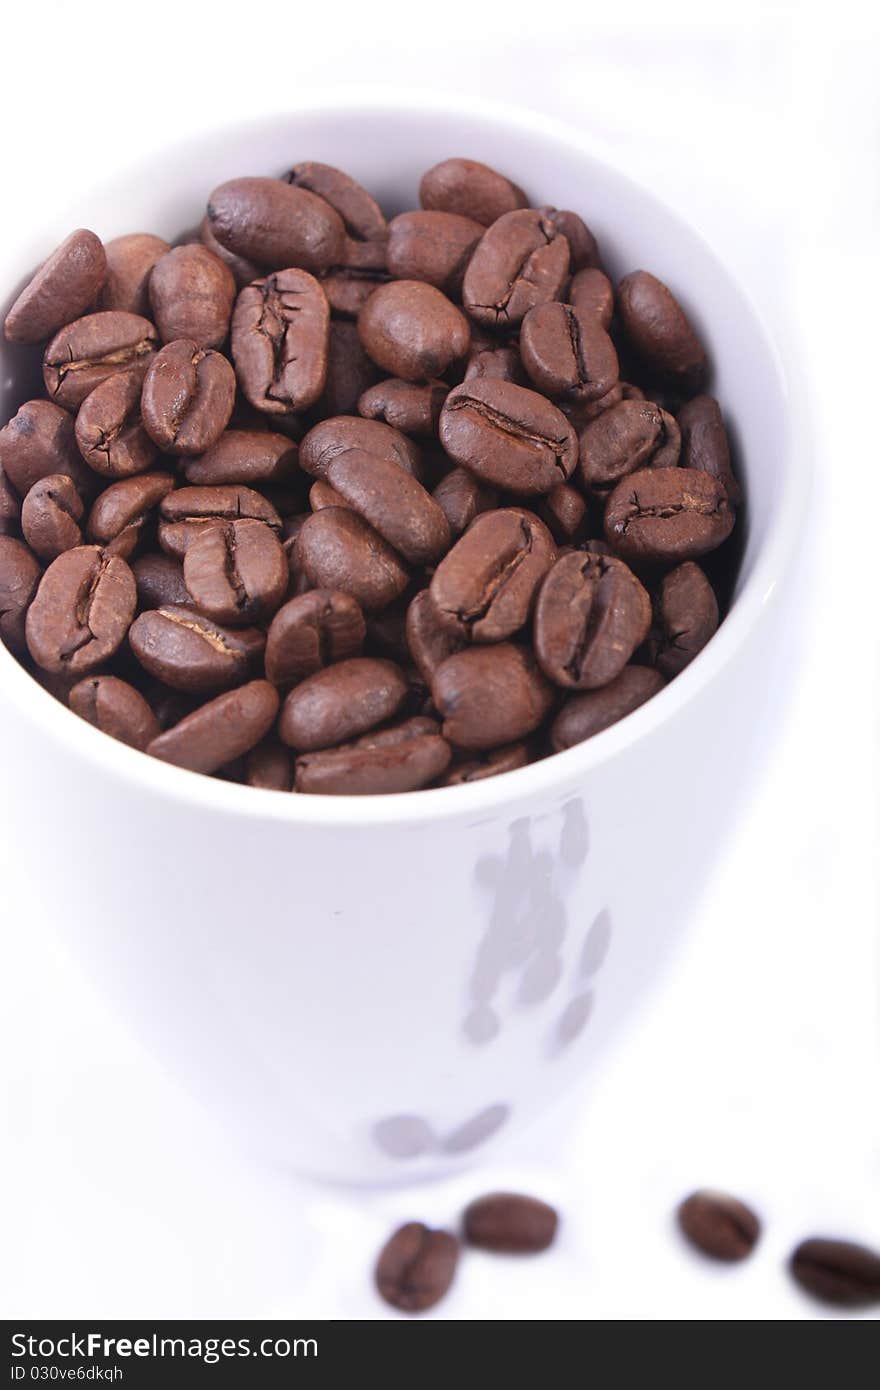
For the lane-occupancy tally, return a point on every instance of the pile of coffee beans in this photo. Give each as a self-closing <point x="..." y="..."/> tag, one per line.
<point x="324" y="502"/>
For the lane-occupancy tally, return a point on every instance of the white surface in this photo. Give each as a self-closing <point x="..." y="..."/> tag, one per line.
<point x="755" y="1064"/>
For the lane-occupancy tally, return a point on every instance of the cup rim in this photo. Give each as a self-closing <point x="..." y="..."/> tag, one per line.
<point x="473" y="800"/>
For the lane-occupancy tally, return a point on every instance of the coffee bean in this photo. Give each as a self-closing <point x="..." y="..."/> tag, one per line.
<point x="360" y="213"/>
<point x="567" y="353"/>
<point x="400" y="759"/>
<point x="236" y="572"/>
<point x="393" y="502"/>
<point x="522" y="261"/>
<point x="116" y="708"/>
<point x="704" y="443"/>
<point x="337" y="549"/>
<point x="508" y="436"/>
<point x="629" y="435"/>
<point x="159" y="580"/>
<point x="124" y="509"/>
<point x="469" y="189"/>
<point x="250" y="457"/>
<point x="37" y="441"/>
<point x="490" y="764"/>
<point x="510" y="1224"/>
<point x="188" y="511"/>
<point x="9" y="508"/>
<point x="416" y="1267"/>
<point x="583" y="250"/>
<point x="62" y="289"/>
<point x="686" y="617"/>
<point x="19" y="576"/>
<point x="191" y="296"/>
<point x="660" y="331"/>
<point x="668" y="514"/>
<point x="462" y="497"/>
<point x="563" y="509"/>
<point x="491" y="695"/>
<point x="269" y="766"/>
<point x="130" y="260"/>
<point x="432" y="246"/>
<point x="429" y="639"/>
<point x="503" y="364"/>
<point x="340" y="702"/>
<point x="276" y="225"/>
<point x="223" y="729"/>
<point x="719" y="1225"/>
<point x="486" y="586"/>
<point x="109" y="430"/>
<point x="189" y="652"/>
<point x="582" y="716"/>
<point x="592" y="295"/>
<point x="413" y="331"/>
<point x="591" y="615"/>
<point x="322" y="495"/>
<point x="85" y="352"/>
<point x="243" y="270"/>
<point x="81" y="611"/>
<point x="334" y="436"/>
<point x="405" y="405"/>
<point x="187" y="398"/>
<point x="50" y="516"/>
<point x="280" y="334"/>
<point x="313" y="631"/>
<point x="837" y="1272"/>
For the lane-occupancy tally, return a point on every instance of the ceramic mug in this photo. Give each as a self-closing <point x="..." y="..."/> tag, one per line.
<point x="379" y="988"/>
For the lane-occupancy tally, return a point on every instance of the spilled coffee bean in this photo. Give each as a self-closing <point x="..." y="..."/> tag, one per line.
<point x="719" y="1225"/>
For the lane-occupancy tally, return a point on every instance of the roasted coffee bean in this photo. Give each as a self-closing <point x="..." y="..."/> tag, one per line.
<point x="508" y="436"/>
<point x="348" y="289"/>
<point x="225" y="728"/>
<point x="413" y="331"/>
<point x="116" y="708"/>
<point x="490" y="764"/>
<point x="432" y="246"/>
<point x="337" y="549"/>
<point x="280" y="334"/>
<point x="837" y="1272"/>
<point x="686" y="615"/>
<point x="37" y="441"/>
<point x="463" y="497"/>
<point x="503" y="364"/>
<point x="630" y="434"/>
<point x="469" y="189"/>
<point x="430" y="640"/>
<point x="704" y="443"/>
<point x="269" y="766"/>
<point x="313" y="631"/>
<point x="85" y="352"/>
<point x="187" y="398"/>
<point x="81" y="611"/>
<point x="591" y="615"/>
<point x="522" y="261"/>
<point x="119" y="516"/>
<point x="567" y="353"/>
<point x="393" y="502"/>
<point x="9" y="508"/>
<point x="130" y="260"/>
<point x="350" y="372"/>
<point x="334" y="436"/>
<point x="187" y="651"/>
<point x="583" y="250"/>
<point x="361" y="214"/>
<point x="510" y="1224"/>
<point x="322" y="495"/>
<point x="486" y="586"/>
<point x="159" y="580"/>
<point x="405" y="405"/>
<point x="582" y="716"/>
<point x="340" y="702"/>
<point x="592" y="295"/>
<point x="191" y="296"/>
<point x="50" y="516"/>
<point x="62" y="289"/>
<point x="660" y="331"/>
<point x="236" y="572"/>
<point x="19" y="576"/>
<point x="243" y="270"/>
<point x="563" y="509"/>
<point x="109" y="431"/>
<point x="491" y="695"/>
<point x="401" y="759"/>
<point x="187" y="511"/>
<point x="719" y="1225"/>
<point x="668" y="514"/>
<point x="276" y="225"/>
<point x="251" y="457"/>
<point x="416" y="1267"/>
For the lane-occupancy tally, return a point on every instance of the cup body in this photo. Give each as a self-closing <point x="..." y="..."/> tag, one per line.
<point x="382" y="988"/>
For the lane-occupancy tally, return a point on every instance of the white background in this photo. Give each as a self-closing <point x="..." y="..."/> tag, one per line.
<point x="755" y="1065"/>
